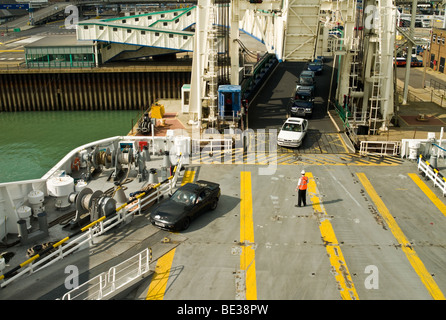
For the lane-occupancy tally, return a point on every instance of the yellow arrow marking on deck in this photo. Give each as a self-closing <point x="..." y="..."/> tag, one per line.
<point x="247" y="258"/>
<point x="407" y="248"/>
<point x="158" y="284"/>
<point x="342" y="275"/>
<point x="188" y="176"/>
<point x="438" y="203"/>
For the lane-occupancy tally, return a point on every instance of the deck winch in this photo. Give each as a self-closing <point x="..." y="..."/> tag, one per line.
<point x="95" y="204"/>
<point x="123" y="154"/>
<point x="145" y="124"/>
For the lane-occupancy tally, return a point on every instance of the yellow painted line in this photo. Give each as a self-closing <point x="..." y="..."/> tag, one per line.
<point x="55" y="21"/>
<point x="342" y="275"/>
<point x="407" y="248"/>
<point x="435" y="200"/>
<point x="247" y="258"/>
<point x="5" y="51"/>
<point x="189" y="176"/>
<point x="158" y="285"/>
<point x="284" y="157"/>
<point x="343" y="143"/>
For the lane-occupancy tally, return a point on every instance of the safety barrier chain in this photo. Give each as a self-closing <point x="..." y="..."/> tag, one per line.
<point x="92" y="230"/>
<point x="106" y="284"/>
<point x="432" y="173"/>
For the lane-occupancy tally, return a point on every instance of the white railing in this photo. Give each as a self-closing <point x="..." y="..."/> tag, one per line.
<point x="432" y="174"/>
<point x="106" y="284"/>
<point x="380" y="148"/>
<point x="211" y="145"/>
<point x="89" y="233"/>
<point x="338" y="45"/>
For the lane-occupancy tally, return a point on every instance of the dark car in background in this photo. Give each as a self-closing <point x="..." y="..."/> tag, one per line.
<point x="306" y="79"/>
<point x="317" y="66"/>
<point x="416" y="62"/>
<point x="186" y="203"/>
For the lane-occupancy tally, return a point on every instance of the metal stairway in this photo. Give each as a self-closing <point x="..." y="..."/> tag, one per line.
<point x="376" y="98"/>
<point x="410" y="37"/>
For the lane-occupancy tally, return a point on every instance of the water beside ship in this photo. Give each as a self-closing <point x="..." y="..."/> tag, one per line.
<point x="31" y="143"/>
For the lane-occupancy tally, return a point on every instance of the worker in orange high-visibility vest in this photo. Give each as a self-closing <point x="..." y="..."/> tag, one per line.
<point x="301" y="189"/>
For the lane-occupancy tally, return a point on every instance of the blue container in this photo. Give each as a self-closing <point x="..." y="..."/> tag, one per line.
<point x="229" y="100"/>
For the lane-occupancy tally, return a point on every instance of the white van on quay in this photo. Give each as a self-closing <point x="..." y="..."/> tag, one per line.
<point x="293" y="132"/>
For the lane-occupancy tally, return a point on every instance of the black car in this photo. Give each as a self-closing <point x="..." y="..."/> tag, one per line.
<point x="303" y="102"/>
<point x="185" y="204"/>
<point x="306" y="78"/>
<point x="300" y="108"/>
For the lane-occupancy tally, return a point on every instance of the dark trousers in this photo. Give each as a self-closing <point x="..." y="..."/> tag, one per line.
<point x="301" y="197"/>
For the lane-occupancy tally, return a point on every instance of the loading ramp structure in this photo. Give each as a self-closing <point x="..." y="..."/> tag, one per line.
<point x="141" y="35"/>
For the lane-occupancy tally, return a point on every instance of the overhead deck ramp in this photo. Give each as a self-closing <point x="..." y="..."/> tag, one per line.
<point x="288" y="28"/>
<point x="302" y="26"/>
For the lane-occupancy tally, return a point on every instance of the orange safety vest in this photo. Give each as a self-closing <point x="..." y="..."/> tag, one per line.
<point x="303" y="182"/>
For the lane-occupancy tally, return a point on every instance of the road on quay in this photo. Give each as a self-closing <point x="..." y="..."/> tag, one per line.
<point x="418" y="74"/>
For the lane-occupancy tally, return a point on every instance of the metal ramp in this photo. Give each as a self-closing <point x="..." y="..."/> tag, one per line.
<point x="302" y="29"/>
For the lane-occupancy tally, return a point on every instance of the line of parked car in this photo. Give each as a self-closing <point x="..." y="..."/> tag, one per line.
<point x="301" y="106"/>
<point x="302" y="102"/>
